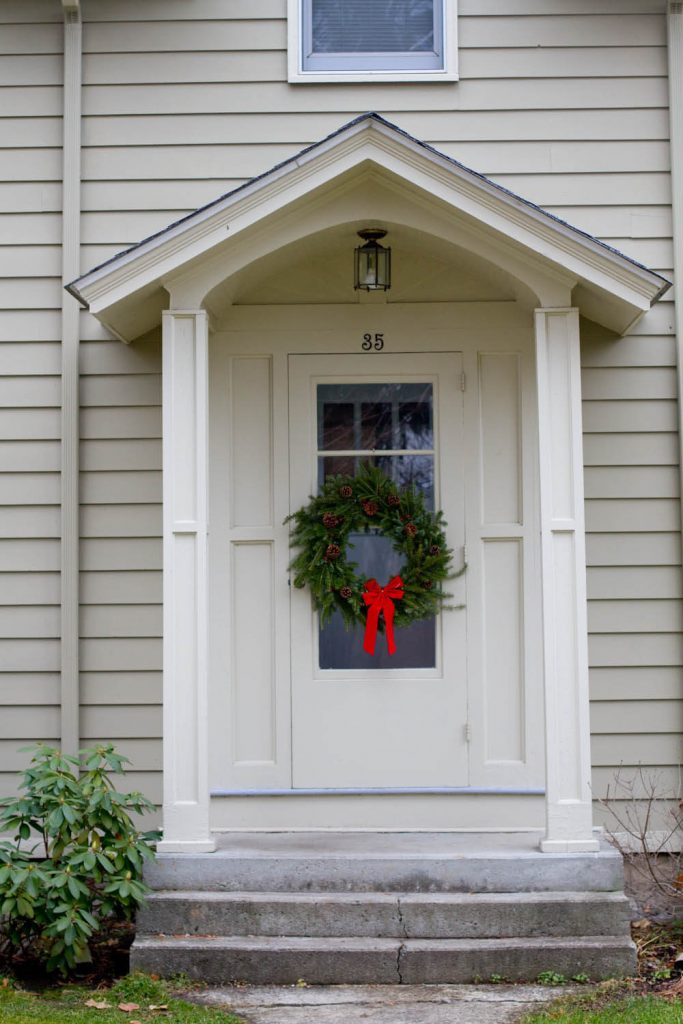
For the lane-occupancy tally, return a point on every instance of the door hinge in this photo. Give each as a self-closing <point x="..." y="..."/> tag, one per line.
<point x="463" y="381"/>
<point x="468" y="732"/>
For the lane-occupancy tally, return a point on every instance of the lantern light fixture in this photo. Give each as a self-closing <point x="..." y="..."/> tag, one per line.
<point x="372" y="262"/>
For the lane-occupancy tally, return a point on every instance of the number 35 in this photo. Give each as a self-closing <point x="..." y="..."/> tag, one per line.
<point x="372" y="341"/>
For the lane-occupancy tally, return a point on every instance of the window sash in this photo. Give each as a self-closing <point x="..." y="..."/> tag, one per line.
<point x="400" y="60"/>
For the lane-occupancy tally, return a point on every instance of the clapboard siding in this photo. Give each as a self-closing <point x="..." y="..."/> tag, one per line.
<point x="633" y="540"/>
<point x="666" y="781"/>
<point x="120" y="590"/>
<point x="228" y="62"/>
<point x="183" y="102"/>
<point x="30" y="364"/>
<point x="481" y="94"/>
<point x="204" y="129"/>
<point x="620" y="168"/>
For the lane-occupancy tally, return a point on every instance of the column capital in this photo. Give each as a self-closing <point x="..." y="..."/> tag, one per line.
<point x="557" y="310"/>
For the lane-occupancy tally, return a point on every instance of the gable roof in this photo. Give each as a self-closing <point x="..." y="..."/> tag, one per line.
<point x="626" y="282"/>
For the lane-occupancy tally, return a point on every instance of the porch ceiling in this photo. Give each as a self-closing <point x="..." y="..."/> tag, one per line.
<point x="308" y="193"/>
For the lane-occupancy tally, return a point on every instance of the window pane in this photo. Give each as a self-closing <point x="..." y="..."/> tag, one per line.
<point x="353" y="417"/>
<point x="386" y="417"/>
<point x="410" y="471"/>
<point x="337" y="426"/>
<point x="372" y="26"/>
<point x="376" y="425"/>
<point x="343" y="649"/>
<point x="415" y="424"/>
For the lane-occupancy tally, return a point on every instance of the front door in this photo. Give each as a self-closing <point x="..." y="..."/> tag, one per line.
<point x="361" y="721"/>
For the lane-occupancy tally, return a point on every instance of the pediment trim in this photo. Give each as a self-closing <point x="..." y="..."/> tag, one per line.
<point x="601" y="271"/>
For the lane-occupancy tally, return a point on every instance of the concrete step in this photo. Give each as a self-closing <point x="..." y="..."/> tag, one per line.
<point x="347" y="862"/>
<point x="402" y="915"/>
<point x="335" y="960"/>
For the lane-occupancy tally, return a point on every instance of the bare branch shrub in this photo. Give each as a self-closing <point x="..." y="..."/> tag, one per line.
<point x="647" y="830"/>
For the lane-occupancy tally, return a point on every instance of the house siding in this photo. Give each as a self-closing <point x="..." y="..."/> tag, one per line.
<point x="30" y="366"/>
<point x="178" y="109"/>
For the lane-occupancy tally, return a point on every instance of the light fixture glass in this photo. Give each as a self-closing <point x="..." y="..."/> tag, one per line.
<point x="372" y="262"/>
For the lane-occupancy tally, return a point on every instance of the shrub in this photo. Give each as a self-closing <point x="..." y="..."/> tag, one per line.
<point x="77" y="858"/>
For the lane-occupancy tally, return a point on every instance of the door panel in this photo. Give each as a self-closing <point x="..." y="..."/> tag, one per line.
<point x="365" y="722"/>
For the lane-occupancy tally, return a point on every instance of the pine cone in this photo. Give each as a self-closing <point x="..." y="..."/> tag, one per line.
<point x="435" y="550"/>
<point x="410" y="529"/>
<point x="427" y="585"/>
<point x="332" y="551"/>
<point x="370" y="507"/>
<point x="330" y="520"/>
<point x="393" y="500"/>
<point x="345" y="592"/>
<point x="346" y="491"/>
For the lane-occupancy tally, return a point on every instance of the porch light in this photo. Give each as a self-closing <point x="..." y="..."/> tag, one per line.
<point x="372" y="262"/>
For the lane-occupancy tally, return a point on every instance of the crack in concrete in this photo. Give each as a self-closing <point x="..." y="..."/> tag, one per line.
<point x="401" y="951"/>
<point x="401" y="920"/>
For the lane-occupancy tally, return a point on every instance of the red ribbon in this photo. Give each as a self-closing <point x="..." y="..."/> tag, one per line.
<point x="381" y="599"/>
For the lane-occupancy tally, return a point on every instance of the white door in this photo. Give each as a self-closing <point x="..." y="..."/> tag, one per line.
<point x="380" y="722"/>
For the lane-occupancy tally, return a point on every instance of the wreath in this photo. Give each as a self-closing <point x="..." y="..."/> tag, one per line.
<point x="371" y="502"/>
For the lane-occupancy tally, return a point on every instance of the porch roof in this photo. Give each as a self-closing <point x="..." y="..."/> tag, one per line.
<point x="128" y="291"/>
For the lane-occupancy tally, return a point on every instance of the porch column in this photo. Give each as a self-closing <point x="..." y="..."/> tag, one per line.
<point x="569" y="815"/>
<point x="185" y="486"/>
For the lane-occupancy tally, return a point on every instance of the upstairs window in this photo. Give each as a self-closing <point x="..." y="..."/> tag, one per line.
<point x="366" y="40"/>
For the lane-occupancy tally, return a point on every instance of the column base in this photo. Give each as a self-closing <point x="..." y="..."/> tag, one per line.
<point x="186" y="846"/>
<point x="569" y="846"/>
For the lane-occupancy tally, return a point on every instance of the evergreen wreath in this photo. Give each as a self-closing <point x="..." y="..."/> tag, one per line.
<point x="368" y="502"/>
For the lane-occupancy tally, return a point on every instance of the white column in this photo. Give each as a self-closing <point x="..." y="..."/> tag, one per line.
<point x="569" y="818"/>
<point x="185" y="466"/>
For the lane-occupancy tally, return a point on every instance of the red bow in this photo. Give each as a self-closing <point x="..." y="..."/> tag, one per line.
<point x="381" y="599"/>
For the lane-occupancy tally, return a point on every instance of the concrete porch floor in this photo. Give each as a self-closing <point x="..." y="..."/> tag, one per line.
<point x="386" y="862"/>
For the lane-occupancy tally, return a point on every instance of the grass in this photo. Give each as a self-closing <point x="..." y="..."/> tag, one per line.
<point x="66" y="1005"/>
<point x="634" y="1010"/>
<point x="612" y="1002"/>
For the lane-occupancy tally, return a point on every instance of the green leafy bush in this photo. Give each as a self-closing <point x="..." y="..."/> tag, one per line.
<point x="77" y="858"/>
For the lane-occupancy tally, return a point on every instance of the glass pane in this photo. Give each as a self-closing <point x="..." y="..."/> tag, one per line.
<point x="375" y="416"/>
<point x="405" y="470"/>
<point x="376" y="425"/>
<point x="343" y="649"/>
<point x="415" y="425"/>
<point x="372" y="26"/>
<point x="409" y="471"/>
<point x="387" y="418"/>
<point x="337" y="426"/>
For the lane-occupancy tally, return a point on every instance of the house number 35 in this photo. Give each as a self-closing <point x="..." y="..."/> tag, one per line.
<point x="372" y="341"/>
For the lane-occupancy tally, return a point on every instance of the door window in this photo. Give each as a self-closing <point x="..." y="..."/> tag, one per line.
<point x="390" y="426"/>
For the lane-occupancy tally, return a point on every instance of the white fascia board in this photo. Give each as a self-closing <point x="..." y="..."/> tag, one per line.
<point x="372" y="140"/>
<point x="511" y="214"/>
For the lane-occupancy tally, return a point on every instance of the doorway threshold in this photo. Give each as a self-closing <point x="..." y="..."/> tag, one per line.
<point x="379" y="791"/>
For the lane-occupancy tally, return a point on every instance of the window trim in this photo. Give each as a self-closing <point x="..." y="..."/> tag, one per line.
<point x="298" y="30"/>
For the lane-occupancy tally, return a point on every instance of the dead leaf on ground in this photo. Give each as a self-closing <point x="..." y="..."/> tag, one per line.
<point x="128" y="1007"/>
<point x="161" y="1006"/>
<point x="94" y="1005"/>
